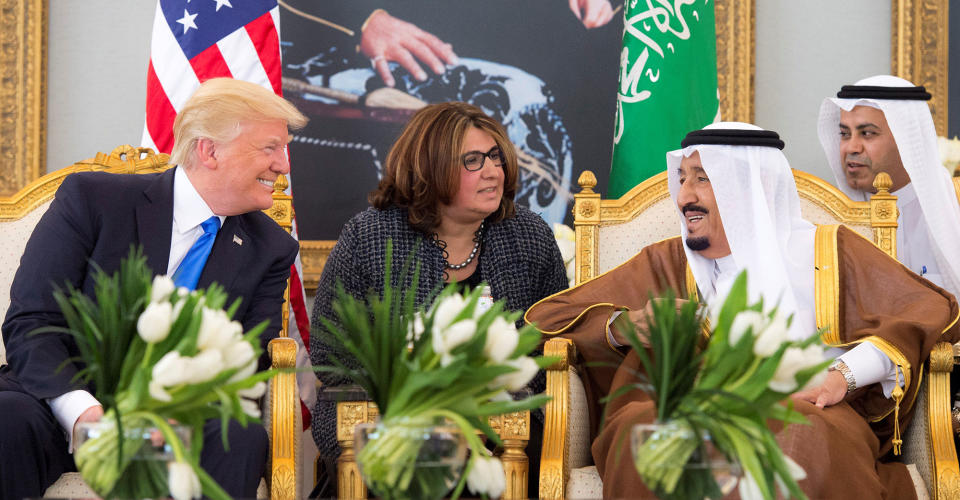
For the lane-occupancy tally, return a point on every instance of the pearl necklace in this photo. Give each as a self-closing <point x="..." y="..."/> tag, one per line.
<point x="473" y="253"/>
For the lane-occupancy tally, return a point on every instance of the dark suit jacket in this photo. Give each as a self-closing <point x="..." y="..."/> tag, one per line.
<point x="95" y="218"/>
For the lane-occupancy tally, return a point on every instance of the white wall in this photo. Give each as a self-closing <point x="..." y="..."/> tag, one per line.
<point x="806" y="50"/>
<point x="97" y="74"/>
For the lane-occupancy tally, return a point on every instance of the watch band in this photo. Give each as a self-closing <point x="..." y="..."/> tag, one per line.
<point x="844" y="370"/>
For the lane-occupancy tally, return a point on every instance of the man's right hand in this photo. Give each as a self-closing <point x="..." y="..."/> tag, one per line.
<point x="92" y="414"/>
<point x="639" y="320"/>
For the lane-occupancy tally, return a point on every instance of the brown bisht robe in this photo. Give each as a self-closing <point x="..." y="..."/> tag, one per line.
<point x="904" y="314"/>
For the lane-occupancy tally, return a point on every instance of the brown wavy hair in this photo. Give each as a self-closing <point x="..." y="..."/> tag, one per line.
<point x="423" y="167"/>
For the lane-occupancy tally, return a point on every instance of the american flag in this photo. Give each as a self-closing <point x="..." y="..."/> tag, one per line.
<point x="193" y="41"/>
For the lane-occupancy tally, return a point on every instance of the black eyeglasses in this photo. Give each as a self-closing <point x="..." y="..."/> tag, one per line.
<point x="473" y="160"/>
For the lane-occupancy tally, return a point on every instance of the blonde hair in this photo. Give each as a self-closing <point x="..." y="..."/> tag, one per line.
<point x="217" y="108"/>
<point x="423" y="167"/>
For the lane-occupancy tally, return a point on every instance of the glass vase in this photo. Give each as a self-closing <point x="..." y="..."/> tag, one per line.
<point x="410" y="460"/>
<point x="141" y="471"/>
<point x="677" y="463"/>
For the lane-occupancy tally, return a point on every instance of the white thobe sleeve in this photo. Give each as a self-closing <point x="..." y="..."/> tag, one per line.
<point x="870" y="365"/>
<point x="610" y="339"/>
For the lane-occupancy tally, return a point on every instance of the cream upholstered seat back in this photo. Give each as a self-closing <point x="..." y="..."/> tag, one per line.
<point x="14" y="234"/>
<point x="611" y="231"/>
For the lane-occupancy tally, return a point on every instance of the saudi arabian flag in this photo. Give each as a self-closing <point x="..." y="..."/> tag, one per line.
<point x="668" y="85"/>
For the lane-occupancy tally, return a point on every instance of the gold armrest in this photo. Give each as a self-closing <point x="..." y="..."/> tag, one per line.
<point x="283" y="422"/>
<point x="513" y="429"/>
<point x="554" y="469"/>
<point x="946" y="467"/>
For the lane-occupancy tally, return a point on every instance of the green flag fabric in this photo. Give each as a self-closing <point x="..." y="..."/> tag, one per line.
<point x="668" y="85"/>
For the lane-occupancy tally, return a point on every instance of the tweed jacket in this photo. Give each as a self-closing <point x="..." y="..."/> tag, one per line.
<point x="519" y="259"/>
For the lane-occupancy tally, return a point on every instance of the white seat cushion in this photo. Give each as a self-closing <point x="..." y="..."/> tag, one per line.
<point x="14" y="235"/>
<point x="584" y="484"/>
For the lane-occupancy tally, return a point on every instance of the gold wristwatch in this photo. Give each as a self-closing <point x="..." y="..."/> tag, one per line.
<point x="844" y="370"/>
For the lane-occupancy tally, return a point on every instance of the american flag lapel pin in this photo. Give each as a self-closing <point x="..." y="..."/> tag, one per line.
<point x="237" y="240"/>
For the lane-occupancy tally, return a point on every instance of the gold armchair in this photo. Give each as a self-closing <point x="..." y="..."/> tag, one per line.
<point x="19" y="214"/>
<point x="645" y="215"/>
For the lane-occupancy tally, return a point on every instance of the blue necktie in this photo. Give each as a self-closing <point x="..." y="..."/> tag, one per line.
<point x="188" y="272"/>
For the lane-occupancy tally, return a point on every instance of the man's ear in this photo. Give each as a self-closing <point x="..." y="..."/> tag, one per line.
<point x="206" y="153"/>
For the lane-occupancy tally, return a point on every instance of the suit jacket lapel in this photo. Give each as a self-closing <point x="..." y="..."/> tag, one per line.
<point x="155" y="221"/>
<point x="226" y="256"/>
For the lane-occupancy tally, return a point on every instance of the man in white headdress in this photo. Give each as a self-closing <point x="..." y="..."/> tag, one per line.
<point x="883" y="124"/>
<point x="736" y="195"/>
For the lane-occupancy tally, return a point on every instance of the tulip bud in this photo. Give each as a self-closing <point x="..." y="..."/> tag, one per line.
<point x="154" y="322"/>
<point x="182" y="481"/>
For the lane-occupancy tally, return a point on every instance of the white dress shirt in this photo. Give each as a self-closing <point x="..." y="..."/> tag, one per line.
<point x="914" y="248"/>
<point x="189" y="210"/>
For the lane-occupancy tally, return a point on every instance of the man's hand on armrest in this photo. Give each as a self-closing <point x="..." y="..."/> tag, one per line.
<point x="72" y="407"/>
<point x="830" y="392"/>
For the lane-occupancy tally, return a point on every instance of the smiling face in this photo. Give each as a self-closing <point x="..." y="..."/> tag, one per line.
<point x="705" y="234"/>
<point x="867" y="147"/>
<point x="480" y="191"/>
<point x="240" y="173"/>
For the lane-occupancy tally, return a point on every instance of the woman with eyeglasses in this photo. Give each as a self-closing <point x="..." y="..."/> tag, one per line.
<point x="446" y="196"/>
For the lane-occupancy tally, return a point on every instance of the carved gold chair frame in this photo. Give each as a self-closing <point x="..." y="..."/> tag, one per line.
<point x="929" y="440"/>
<point x="282" y="413"/>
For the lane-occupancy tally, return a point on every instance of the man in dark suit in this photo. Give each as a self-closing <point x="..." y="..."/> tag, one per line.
<point x="229" y="148"/>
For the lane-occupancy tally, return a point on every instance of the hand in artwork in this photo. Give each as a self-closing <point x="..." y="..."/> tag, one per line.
<point x="386" y="38"/>
<point x="592" y="13"/>
<point x="639" y="320"/>
<point x="830" y="392"/>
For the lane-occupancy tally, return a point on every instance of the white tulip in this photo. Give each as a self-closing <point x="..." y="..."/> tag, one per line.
<point x="453" y="336"/>
<point x="161" y="289"/>
<point x="501" y="397"/>
<point x="250" y="408"/>
<point x="415" y="328"/>
<point x="448" y="309"/>
<point x="813" y="355"/>
<point x="796" y="472"/>
<point x="749" y="489"/>
<point x="154" y="322"/>
<point x="204" y="366"/>
<point x="526" y="369"/>
<point x="487" y="477"/>
<point x="502" y="339"/>
<point x="794" y="360"/>
<point x="254" y="392"/>
<point x="158" y="392"/>
<point x="247" y="370"/>
<point x="239" y="353"/>
<point x="169" y="371"/>
<point x="216" y="330"/>
<point x="746" y="320"/>
<point x="769" y="340"/>
<point x="183" y="481"/>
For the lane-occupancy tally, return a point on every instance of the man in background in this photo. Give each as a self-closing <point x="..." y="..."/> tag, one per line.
<point x="883" y="124"/>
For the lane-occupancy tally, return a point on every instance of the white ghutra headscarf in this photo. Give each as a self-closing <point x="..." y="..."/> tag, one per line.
<point x="912" y="127"/>
<point x="760" y="209"/>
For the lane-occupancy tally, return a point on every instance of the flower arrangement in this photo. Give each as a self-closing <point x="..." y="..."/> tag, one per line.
<point x="156" y="355"/>
<point x="451" y="364"/>
<point x="725" y="391"/>
<point x="949" y="154"/>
